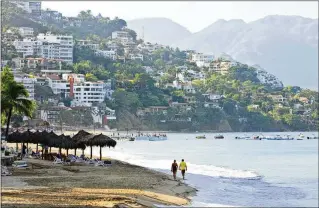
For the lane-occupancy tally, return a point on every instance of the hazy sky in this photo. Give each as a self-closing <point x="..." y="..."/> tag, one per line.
<point x="192" y="15"/>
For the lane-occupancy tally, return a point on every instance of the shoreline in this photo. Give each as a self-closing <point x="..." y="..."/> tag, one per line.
<point x="122" y="183"/>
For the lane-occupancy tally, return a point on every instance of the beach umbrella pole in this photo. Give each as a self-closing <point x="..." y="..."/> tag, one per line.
<point x="75" y="151"/>
<point x="91" y="152"/>
<point x="67" y="152"/>
<point x="37" y="147"/>
<point x="100" y="153"/>
<point x="50" y="149"/>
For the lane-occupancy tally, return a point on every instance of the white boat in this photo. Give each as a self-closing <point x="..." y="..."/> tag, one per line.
<point x="301" y="136"/>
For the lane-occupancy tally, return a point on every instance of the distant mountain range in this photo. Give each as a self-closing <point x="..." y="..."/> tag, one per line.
<point x="286" y="46"/>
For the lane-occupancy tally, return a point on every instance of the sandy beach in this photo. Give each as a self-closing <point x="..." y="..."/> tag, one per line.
<point x="44" y="184"/>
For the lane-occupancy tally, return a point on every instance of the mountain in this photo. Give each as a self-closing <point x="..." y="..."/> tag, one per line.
<point x="286" y="46"/>
<point x="159" y="30"/>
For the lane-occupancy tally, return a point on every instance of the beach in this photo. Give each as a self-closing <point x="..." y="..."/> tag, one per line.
<point x="44" y="184"/>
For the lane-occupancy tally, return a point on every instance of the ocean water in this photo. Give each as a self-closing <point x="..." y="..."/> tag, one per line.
<point x="233" y="172"/>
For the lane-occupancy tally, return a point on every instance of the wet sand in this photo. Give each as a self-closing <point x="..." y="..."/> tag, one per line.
<point x="44" y="184"/>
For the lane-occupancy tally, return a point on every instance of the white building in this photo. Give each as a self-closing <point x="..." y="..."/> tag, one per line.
<point x="77" y="77"/>
<point x="122" y="36"/>
<point x="56" y="47"/>
<point x="186" y="86"/>
<point x="27" y="82"/>
<point x="136" y="56"/>
<point x="149" y="47"/>
<point x="87" y="44"/>
<point x="33" y="7"/>
<point x="148" y="69"/>
<point x="202" y="59"/>
<point x="58" y="85"/>
<point x="27" y="46"/>
<point x="26" y="31"/>
<point x="47" y="46"/>
<point x="89" y="92"/>
<point x="107" y="54"/>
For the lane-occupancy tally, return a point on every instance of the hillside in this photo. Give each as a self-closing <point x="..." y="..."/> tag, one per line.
<point x="280" y="44"/>
<point x="169" y="33"/>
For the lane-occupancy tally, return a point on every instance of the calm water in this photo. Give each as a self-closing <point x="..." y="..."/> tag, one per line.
<point x="234" y="172"/>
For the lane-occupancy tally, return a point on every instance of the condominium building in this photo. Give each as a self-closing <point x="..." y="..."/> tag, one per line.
<point x="89" y="92"/>
<point x="47" y="46"/>
<point x="27" y="82"/>
<point x="56" y="47"/>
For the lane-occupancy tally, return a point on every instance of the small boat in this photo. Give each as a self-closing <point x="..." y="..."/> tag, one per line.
<point x="301" y="136"/>
<point x="201" y="137"/>
<point x="313" y="137"/>
<point x="242" y="137"/>
<point x="132" y="139"/>
<point x="219" y="137"/>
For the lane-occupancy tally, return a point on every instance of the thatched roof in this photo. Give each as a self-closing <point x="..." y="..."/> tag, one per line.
<point x="80" y="135"/>
<point x="101" y="140"/>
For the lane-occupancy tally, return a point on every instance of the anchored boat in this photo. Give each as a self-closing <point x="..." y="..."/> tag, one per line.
<point x="219" y="137"/>
<point x="201" y="137"/>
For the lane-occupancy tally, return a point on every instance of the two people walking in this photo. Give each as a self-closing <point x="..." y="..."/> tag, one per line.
<point x="182" y="168"/>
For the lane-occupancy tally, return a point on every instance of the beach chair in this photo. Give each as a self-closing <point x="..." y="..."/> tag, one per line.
<point x="20" y="164"/>
<point x="90" y="162"/>
<point x="99" y="163"/>
<point x="57" y="160"/>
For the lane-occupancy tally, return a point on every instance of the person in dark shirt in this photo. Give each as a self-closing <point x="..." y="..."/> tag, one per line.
<point x="174" y="169"/>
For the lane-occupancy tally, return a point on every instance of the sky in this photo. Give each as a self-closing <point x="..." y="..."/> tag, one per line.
<point x="190" y="14"/>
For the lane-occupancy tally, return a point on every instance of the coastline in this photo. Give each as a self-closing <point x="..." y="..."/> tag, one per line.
<point x="85" y="185"/>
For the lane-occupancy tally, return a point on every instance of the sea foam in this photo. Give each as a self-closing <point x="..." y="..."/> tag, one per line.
<point x="208" y="170"/>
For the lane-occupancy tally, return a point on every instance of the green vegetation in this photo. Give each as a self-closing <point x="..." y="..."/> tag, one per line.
<point x="14" y="98"/>
<point x="245" y="105"/>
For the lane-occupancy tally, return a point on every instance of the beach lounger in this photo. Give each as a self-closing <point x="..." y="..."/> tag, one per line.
<point x="57" y="160"/>
<point x="20" y="164"/>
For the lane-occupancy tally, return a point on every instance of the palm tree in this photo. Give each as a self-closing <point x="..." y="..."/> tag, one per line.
<point x="14" y="98"/>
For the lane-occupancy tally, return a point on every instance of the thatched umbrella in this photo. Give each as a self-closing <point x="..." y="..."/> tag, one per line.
<point x="84" y="141"/>
<point x="101" y="141"/>
<point x="14" y="137"/>
<point x="67" y="143"/>
<point x="79" y="138"/>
